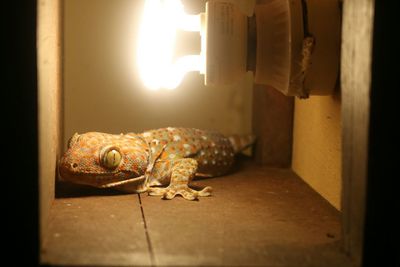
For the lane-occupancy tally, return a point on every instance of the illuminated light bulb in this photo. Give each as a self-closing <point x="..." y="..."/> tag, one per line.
<point x="155" y="54"/>
<point x="284" y="53"/>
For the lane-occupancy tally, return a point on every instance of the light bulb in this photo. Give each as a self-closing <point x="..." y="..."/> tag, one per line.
<point x="156" y="43"/>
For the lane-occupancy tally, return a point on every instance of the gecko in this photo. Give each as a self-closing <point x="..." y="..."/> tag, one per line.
<point x="161" y="162"/>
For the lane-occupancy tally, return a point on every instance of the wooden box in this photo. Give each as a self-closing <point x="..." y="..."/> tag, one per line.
<point x="298" y="201"/>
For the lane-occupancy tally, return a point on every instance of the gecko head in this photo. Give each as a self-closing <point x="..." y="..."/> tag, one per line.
<point x="103" y="160"/>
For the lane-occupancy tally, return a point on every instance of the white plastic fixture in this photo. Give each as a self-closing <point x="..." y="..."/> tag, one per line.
<point x="297" y="50"/>
<point x="160" y="22"/>
<point x="222" y="23"/>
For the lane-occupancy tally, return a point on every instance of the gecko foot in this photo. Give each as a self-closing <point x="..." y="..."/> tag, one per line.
<point x="187" y="193"/>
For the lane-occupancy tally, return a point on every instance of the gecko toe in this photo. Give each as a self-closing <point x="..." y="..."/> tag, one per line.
<point x="205" y="192"/>
<point x="156" y="191"/>
<point x="186" y="192"/>
<point x="189" y="195"/>
<point x="169" y="194"/>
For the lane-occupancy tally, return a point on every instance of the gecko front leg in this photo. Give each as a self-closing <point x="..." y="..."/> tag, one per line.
<point x="182" y="172"/>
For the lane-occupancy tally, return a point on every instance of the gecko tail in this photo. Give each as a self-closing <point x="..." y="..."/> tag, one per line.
<point x="241" y="142"/>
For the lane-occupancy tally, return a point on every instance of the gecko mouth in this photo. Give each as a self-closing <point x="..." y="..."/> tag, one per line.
<point x="127" y="181"/>
<point x="101" y="180"/>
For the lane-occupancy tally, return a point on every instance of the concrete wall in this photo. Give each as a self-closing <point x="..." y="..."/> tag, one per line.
<point x="317" y="146"/>
<point x="104" y="93"/>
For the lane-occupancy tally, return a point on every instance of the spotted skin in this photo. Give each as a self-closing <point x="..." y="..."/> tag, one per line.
<point x="167" y="157"/>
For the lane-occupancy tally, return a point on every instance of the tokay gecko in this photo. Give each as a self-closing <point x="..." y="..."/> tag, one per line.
<point x="161" y="162"/>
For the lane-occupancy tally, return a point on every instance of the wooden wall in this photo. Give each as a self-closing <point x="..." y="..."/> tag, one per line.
<point x="49" y="104"/>
<point x="273" y="125"/>
<point x="317" y="145"/>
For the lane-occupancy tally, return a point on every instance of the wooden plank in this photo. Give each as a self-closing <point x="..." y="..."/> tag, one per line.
<point x="49" y="102"/>
<point x="355" y="84"/>
<point x="256" y="216"/>
<point x="273" y="126"/>
<point x="96" y="230"/>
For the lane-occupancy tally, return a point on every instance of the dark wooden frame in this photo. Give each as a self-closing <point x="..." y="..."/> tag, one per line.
<point x="356" y="55"/>
<point x="361" y="78"/>
<point x="368" y="75"/>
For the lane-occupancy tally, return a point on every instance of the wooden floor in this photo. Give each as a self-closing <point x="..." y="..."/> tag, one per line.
<point x="256" y="216"/>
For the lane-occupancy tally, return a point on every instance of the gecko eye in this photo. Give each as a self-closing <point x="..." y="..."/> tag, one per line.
<point x="110" y="158"/>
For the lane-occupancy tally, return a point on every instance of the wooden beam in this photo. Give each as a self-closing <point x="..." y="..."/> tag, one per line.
<point x="356" y="55"/>
<point x="273" y="126"/>
<point x="49" y="102"/>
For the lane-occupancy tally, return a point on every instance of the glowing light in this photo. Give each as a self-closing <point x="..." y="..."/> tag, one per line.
<point x="160" y="22"/>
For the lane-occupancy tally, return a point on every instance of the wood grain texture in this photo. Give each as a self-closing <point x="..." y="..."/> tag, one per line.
<point x="96" y="231"/>
<point x="273" y="126"/>
<point x="49" y="102"/>
<point x="257" y="216"/>
<point x="355" y="84"/>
